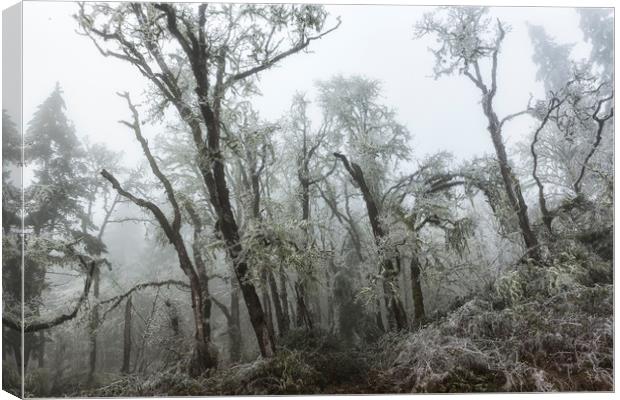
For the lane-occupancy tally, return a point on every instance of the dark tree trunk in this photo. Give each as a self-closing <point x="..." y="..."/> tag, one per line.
<point x="201" y="270"/>
<point x="174" y="319"/>
<point x="94" y="322"/>
<point x="127" y="338"/>
<point x="511" y="182"/>
<point x="379" y="318"/>
<point x="266" y="303"/>
<point x="41" y="353"/>
<point x="416" y="290"/>
<point x="303" y="314"/>
<point x="387" y="304"/>
<point x="286" y="319"/>
<point x="212" y="169"/>
<point x="512" y="186"/>
<point x="277" y="304"/>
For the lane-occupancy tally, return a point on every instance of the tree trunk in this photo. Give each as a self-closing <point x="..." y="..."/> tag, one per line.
<point x="387" y="304"/>
<point x="277" y="304"/>
<point x="41" y="353"/>
<point x="212" y="169"/>
<point x="286" y="319"/>
<point x="416" y="289"/>
<point x="511" y="182"/>
<point x="94" y="322"/>
<point x="127" y="338"/>
<point x="234" y="324"/>
<point x="303" y="314"/>
<point x="266" y="303"/>
<point x="379" y="317"/>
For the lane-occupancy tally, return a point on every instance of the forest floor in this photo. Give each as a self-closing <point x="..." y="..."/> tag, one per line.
<point x="536" y="330"/>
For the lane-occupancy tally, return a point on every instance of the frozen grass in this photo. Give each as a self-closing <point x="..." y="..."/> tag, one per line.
<point x="542" y="329"/>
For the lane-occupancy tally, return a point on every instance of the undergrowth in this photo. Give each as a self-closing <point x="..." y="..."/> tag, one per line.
<point x="540" y="329"/>
<point x="537" y="329"/>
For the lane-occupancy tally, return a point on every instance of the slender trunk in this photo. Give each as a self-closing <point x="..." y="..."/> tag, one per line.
<point x="379" y="317"/>
<point x="174" y="319"/>
<point x="94" y="322"/>
<point x="286" y="319"/>
<point x="416" y="291"/>
<point x="511" y="182"/>
<point x="127" y="338"/>
<point x="303" y="314"/>
<point x="266" y="303"/>
<point x="391" y="317"/>
<point x="277" y="304"/>
<point x="201" y="270"/>
<point x="41" y="354"/>
<point x="331" y="320"/>
<point x="234" y="324"/>
<point x="317" y="308"/>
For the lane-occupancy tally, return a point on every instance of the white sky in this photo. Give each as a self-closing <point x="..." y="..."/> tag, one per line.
<point x="375" y="41"/>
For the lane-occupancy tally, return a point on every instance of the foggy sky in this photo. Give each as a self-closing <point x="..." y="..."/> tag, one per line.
<point x="374" y="41"/>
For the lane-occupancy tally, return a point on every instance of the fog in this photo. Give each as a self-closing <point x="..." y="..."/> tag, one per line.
<point x="392" y="230"/>
<point x="374" y="41"/>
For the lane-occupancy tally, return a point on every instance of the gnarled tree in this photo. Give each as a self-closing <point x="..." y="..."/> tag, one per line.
<point x="466" y="39"/>
<point x="207" y="61"/>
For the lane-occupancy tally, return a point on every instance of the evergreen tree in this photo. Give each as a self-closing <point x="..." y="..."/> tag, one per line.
<point x="52" y="200"/>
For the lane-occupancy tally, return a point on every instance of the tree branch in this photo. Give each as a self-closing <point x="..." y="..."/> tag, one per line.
<point x="135" y="125"/>
<point x="270" y="62"/>
<point x="159" y="215"/>
<point x="546" y="215"/>
<point x="39" y="326"/>
<point x="600" y="121"/>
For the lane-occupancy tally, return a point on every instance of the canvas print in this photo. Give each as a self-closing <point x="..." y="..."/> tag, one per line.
<point x="209" y="199"/>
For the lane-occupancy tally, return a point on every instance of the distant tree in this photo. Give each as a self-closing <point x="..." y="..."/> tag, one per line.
<point x="574" y="120"/>
<point x="57" y="160"/>
<point x="371" y="135"/>
<point x="597" y="25"/>
<point x="52" y="212"/>
<point x="552" y="59"/>
<point x="11" y="237"/>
